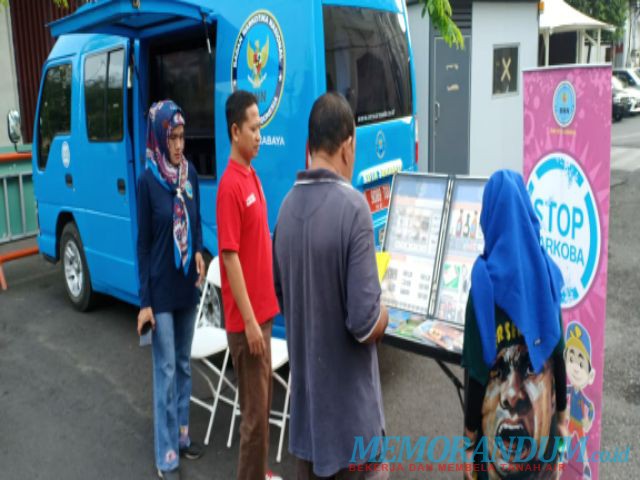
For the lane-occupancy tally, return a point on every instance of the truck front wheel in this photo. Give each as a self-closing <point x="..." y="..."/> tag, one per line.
<point x="75" y="271"/>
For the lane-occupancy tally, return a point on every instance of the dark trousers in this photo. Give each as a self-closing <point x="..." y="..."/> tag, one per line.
<point x="254" y="389"/>
<point x="304" y="471"/>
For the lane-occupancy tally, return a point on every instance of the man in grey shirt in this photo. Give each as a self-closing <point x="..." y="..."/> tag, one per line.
<point x="327" y="284"/>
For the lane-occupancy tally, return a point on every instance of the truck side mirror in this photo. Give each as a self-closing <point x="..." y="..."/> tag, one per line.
<point x="13" y="127"/>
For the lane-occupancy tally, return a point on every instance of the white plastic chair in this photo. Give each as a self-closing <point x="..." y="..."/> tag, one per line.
<point x="279" y="358"/>
<point x="210" y="340"/>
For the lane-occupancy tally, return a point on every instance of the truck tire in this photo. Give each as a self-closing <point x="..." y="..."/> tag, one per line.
<point x="75" y="271"/>
<point x="213" y="311"/>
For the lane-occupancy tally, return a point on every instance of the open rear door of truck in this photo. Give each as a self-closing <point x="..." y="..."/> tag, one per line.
<point x="136" y="19"/>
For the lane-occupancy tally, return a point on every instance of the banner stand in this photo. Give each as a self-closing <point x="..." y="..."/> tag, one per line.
<point x="567" y="159"/>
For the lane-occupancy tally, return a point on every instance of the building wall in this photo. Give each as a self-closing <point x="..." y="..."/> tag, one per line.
<point x="32" y="43"/>
<point x="9" y="99"/>
<point x="497" y="121"/>
<point x="419" y="33"/>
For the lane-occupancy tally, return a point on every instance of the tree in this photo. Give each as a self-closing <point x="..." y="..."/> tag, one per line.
<point x="613" y="12"/>
<point x="440" y="13"/>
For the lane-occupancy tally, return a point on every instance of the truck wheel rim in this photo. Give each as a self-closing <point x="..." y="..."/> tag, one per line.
<point x="212" y="313"/>
<point x="73" y="269"/>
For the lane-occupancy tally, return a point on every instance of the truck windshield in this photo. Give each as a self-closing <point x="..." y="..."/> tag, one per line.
<point x="367" y="60"/>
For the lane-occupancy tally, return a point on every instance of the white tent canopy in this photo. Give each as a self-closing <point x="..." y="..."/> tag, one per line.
<point x="558" y="17"/>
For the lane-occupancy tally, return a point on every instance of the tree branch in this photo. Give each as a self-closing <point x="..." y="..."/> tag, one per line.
<point x="440" y="13"/>
<point x="614" y="12"/>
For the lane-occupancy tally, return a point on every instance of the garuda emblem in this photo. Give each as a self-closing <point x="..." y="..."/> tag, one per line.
<point x="257" y="60"/>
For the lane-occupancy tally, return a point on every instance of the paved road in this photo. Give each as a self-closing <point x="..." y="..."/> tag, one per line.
<point x="626" y="133"/>
<point x="75" y="389"/>
<point x="625" y="144"/>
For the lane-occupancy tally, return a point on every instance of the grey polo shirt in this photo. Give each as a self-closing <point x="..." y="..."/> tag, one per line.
<point x="327" y="285"/>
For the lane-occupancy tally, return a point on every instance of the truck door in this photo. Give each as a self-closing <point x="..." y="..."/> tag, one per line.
<point x="106" y="186"/>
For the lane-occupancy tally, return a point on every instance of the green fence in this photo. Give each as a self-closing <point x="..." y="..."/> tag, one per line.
<point x="17" y="201"/>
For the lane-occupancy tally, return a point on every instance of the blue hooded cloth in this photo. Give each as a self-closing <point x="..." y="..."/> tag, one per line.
<point x="515" y="272"/>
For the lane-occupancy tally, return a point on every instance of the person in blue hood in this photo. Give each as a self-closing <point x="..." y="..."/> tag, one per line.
<point x="513" y="343"/>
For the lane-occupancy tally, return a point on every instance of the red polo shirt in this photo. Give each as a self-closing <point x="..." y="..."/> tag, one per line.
<point x="243" y="227"/>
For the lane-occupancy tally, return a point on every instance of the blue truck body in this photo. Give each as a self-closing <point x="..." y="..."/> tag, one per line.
<point x="113" y="58"/>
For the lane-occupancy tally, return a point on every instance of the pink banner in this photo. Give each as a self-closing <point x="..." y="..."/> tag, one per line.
<point x="567" y="156"/>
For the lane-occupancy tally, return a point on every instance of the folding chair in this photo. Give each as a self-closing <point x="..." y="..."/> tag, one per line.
<point x="210" y="340"/>
<point x="279" y="358"/>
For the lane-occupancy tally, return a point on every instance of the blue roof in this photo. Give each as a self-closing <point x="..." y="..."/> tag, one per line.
<point x="123" y="17"/>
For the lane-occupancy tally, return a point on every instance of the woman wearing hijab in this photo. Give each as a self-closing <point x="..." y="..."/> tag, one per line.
<point x="513" y="343"/>
<point x="170" y="269"/>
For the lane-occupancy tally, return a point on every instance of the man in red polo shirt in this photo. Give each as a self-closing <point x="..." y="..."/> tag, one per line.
<point x="248" y="294"/>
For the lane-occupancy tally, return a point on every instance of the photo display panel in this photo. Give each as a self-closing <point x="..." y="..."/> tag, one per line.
<point x="411" y="238"/>
<point x="463" y="243"/>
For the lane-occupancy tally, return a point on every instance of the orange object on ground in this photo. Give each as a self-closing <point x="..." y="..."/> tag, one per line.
<point x="7" y="257"/>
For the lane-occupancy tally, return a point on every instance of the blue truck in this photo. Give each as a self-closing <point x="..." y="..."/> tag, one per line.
<point x="114" y="58"/>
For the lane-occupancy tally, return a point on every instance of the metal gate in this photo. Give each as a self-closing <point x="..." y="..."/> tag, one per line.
<point x="18" y="217"/>
<point x="32" y="42"/>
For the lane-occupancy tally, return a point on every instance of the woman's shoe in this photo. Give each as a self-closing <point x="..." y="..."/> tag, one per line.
<point x="169" y="474"/>
<point x="193" y="452"/>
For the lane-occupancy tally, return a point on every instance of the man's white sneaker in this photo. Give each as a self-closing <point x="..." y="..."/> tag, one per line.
<point x="272" y="476"/>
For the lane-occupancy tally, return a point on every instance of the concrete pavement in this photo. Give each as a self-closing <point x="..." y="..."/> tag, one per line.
<point x="625" y="144"/>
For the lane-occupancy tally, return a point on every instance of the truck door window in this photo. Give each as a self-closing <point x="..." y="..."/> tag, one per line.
<point x="367" y="60"/>
<point x="103" y="95"/>
<point x="183" y="71"/>
<point x="55" y="109"/>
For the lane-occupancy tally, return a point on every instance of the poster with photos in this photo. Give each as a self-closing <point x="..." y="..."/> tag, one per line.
<point x="463" y="243"/>
<point x="442" y="334"/>
<point x="414" y="327"/>
<point x="411" y="238"/>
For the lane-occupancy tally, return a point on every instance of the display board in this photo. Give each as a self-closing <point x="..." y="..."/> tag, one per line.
<point x="463" y="243"/>
<point x="412" y="239"/>
<point x="433" y="236"/>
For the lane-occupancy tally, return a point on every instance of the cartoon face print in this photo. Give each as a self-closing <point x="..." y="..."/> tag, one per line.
<point x="579" y="371"/>
<point x="518" y="403"/>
